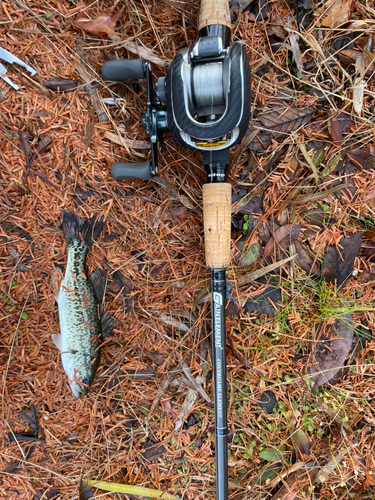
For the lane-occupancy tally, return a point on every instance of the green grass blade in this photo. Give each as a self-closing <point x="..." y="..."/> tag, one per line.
<point x="131" y="490"/>
<point x="309" y="161"/>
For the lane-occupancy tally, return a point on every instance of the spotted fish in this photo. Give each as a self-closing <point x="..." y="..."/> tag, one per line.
<point x="82" y="319"/>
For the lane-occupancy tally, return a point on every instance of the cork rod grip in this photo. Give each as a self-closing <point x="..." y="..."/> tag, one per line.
<point x="217" y="224"/>
<point x="214" y="12"/>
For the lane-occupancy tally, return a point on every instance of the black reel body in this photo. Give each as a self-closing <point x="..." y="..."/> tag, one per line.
<point x="207" y="96"/>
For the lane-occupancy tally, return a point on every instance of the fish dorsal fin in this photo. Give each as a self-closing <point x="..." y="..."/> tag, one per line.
<point x="57" y="341"/>
<point x="98" y="280"/>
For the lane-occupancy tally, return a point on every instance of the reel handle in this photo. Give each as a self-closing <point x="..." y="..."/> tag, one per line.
<point x="122" y="70"/>
<point x="214" y="12"/>
<point x="121" y="170"/>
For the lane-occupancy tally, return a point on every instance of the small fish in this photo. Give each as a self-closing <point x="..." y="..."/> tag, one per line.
<point x="79" y="299"/>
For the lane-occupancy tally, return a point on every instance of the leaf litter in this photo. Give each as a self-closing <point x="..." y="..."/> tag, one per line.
<point x="332" y="349"/>
<point x="339" y="259"/>
<point x="141" y="362"/>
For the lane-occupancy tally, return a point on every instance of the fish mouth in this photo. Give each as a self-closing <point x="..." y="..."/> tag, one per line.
<point x="81" y="388"/>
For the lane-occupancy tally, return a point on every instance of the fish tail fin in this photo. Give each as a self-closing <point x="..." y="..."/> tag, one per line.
<point x="86" y="231"/>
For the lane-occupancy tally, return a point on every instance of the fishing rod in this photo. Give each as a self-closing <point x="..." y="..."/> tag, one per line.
<point x="204" y="102"/>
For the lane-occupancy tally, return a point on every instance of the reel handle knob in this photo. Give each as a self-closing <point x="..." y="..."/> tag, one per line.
<point x="124" y="70"/>
<point x="121" y="170"/>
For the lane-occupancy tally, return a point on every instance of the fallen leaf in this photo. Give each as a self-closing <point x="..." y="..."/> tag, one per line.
<point x="43" y="144"/>
<point x="297" y="482"/>
<point x="89" y="127"/>
<point x="20" y="266"/>
<point x="271" y="125"/>
<point x="126" y="142"/>
<point x="265" y="302"/>
<point x="335" y="129"/>
<point x="339" y="16"/>
<point x="139" y="375"/>
<point x="231" y="310"/>
<point x="305" y="260"/>
<point x="85" y="492"/>
<point x="167" y="406"/>
<point x="297" y="55"/>
<point x="331" y="350"/>
<point x="370" y="233"/>
<point x="368" y="251"/>
<point x="363" y="158"/>
<point x="47" y="495"/>
<point x="130" y="490"/>
<point x="350" y="56"/>
<point x="251" y="256"/>
<point x="179" y="325"/>
<point x="267" y="401"/>
<point x="60" y="84"/>
<point x="195" y="382"/>
<point x="285" y="473"/>
<point x="301" y="443"/>
<point x="285" y="119"/>
<point x="331" y="466"/>
<point x="238" y="193"/>
<point x="25" y="145"/>
<point x="271" y="455"/>
<point x="153" y="451"/>
<point x="369" y="195"/>
<point x="14" y="466"/>
<point x="266" y="230"/>
<point x="277" y="27"/>
<point x="319" y="156"/>
<point x="102" y="24"/>
<point x="25" y="436"/>
<point x="144" y="53"/>
<point x="331" y="165"/>
<point x="254" y="206"/>
<point x="156" y="358"/>
<point x="30" y="416"/>
<point x="283" y="237"/>
<point x="358" y="94"/>
<point x="318" y="196"/>
<point x="248" y="278"/>
<point x="339" y="259"/>
<point x="237" y="6"/>
<point x="192" y="420"/>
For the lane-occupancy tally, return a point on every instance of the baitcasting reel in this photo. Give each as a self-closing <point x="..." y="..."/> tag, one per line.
<point x="207" y="97"/>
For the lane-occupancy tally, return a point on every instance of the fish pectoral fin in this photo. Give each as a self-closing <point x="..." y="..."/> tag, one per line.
<point x="57" y="276"/>
<point x="57" y="341"/>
